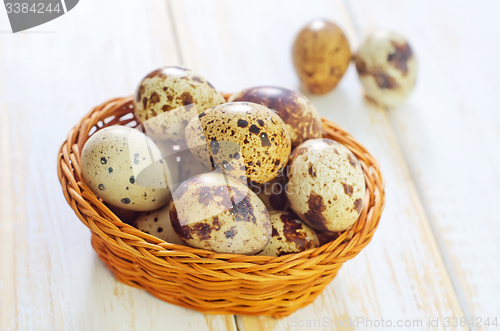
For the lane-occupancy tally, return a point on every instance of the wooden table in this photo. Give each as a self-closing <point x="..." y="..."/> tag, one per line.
<point x="437" y="249"/>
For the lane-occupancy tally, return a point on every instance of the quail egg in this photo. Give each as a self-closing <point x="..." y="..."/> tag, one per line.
<point x="387" y="68"/>
<point x="326" y="185"/>
<point x="113" y="164"/>
<point x="218" y="213"/>
<point x="157" y="223"/>
<point x="300" y="116"/>
<point x="321" y="55"/>
<point x="289" y="235"/>
<point x="246" y="140"/>
<point x="169" y="88"/>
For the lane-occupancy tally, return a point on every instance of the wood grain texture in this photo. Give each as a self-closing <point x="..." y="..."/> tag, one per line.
<point x="50" y="278"/>
<point x="449" y="131"/>
<point x="400" y="275"/>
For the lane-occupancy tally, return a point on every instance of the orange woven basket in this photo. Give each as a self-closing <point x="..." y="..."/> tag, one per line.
<point x="203" y="280"/>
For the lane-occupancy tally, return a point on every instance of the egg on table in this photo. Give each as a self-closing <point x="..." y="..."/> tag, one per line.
<point x="112" y="164"/>
<point x="157" y="223"/>
<point x="300" y="116"/>
<point x="218" y="213"/>
<point x="248" y="141"/>
<point x="387" y="68"/>
<point x="321" y="55"/>
<point x="273" y="193"/>
<point x="289" y="235"/>
<point x="326" y="185"/>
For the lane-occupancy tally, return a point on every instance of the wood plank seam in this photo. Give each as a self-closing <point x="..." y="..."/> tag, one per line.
<point x="173" y="22"/>
<point x="443" y="251"/>
<point x="424" y="204"/>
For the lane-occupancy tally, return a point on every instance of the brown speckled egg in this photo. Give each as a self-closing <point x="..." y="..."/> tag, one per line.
<point x="300" y="116"/>
<point x="157" y="223"/>
<point x="273" y="193"/>
<point x="326" y="185"/>
<point x="218" y="213"/>
<point x="289" y="235"/>
<point x="168" y="88"/>
<point x="387" y="68"/>
<point x="246" y="140"/>
<point x="321" y="55"/>
<point x="112" y="163"/>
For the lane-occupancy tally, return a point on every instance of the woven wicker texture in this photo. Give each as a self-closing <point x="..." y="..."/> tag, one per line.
<point x="203" y="280"/>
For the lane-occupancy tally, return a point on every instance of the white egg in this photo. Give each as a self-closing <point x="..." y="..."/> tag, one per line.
<point x="124" y="167"/>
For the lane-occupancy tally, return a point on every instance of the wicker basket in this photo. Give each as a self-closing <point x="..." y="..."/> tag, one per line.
<point x="203" y="280"/>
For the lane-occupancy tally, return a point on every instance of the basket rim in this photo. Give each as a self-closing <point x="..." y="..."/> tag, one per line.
<point x="105" y="224"/>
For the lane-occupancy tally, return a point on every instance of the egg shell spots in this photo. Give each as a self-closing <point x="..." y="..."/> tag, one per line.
<point x="157" y="223"/>
<point x="300" y="116"/>
<point x="218" y="213"/>
<point x="326" y="185"/>
<point x="289" y="235"/>
<point x="247" y="140"/>
<point x="387" y="68"/>
<point x="321" y="56"/>
<point x="168" y="88"/>
<point x="111" y="160"/>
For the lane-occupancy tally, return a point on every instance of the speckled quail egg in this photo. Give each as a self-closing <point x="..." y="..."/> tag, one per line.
<point x="321" y="55"/>
<point x="157" y="223"/>
<point x="289" y="235"/>
<point x="168" y="88"/>
<point x="300" y="116"/>
<point x="326" y="185"/>
<point x="112" y="163"/>
<point x="273" y="193"/>
<point x="218" y="213"/>
<point x="246" y="140"/>
<point x="387" y="68"/>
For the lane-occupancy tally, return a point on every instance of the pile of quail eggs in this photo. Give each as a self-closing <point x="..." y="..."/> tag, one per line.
<point x="252" y="175"/>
